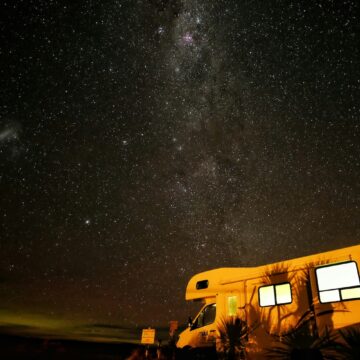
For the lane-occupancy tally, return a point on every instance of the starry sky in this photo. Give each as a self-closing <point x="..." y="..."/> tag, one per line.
<point x="144" y="141"/>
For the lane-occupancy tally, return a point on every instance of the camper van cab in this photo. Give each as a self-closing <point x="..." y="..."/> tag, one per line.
<point x="321" y="291"/>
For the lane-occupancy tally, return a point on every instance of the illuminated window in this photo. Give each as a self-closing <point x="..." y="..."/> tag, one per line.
<point x="232" y="305"/>
<point x="267" y="295"/>
<point x="338" y="282"/>
<point x="275" y="294"/>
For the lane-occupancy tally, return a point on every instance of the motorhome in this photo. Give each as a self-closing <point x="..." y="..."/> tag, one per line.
<point x="321" y="291"/>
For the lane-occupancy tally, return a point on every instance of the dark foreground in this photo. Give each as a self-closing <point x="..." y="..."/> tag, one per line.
<point x="17" y="347"/>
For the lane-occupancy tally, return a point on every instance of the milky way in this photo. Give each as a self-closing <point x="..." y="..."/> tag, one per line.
<point x="144" y="141"/>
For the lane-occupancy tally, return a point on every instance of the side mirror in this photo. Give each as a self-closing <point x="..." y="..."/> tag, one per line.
<point x="190" y="321"/>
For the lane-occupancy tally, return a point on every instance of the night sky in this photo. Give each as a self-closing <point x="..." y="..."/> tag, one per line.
<point x="144" y="141"/>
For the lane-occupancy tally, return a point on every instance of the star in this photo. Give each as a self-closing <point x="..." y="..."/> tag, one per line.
<point x="187" y="39"/>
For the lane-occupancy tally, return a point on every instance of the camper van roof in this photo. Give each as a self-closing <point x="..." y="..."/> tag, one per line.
<point x="209" y="283"/>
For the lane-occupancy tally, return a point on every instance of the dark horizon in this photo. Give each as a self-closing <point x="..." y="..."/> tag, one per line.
<point x="98" y="333"/>
<point x="144" y="142"/>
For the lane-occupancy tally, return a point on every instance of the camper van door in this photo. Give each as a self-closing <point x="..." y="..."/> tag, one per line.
<point x="203" y="329"/>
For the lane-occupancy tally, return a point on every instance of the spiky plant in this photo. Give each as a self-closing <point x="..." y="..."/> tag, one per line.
<point x="276" y="314"/>
<point x="302" y="343"/>
<point x="349" y="348"/>
<point x="309" y="315"/>
<point x="234" y="334"/>
<point x="277" y="269"/>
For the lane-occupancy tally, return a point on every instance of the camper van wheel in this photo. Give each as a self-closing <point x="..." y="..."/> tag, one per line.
<point x="189" y="353"/>
<point x="185" y="352"/>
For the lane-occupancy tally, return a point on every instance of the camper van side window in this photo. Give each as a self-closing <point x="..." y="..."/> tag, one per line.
<point x="278" y="294"/>
<point x="203" y="284"/>
<point x="232" y="305"/>
<point x="206" y="317"/>
<point x="338" y="282"/>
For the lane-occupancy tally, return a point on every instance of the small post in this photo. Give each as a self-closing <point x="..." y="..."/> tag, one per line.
<point x="158" y="350"/>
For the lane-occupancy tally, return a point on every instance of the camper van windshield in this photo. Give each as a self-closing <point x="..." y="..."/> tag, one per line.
<point x="206" y="317"/>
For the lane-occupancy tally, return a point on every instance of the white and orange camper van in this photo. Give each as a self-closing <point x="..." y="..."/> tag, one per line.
<point x="322" y="291"/>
